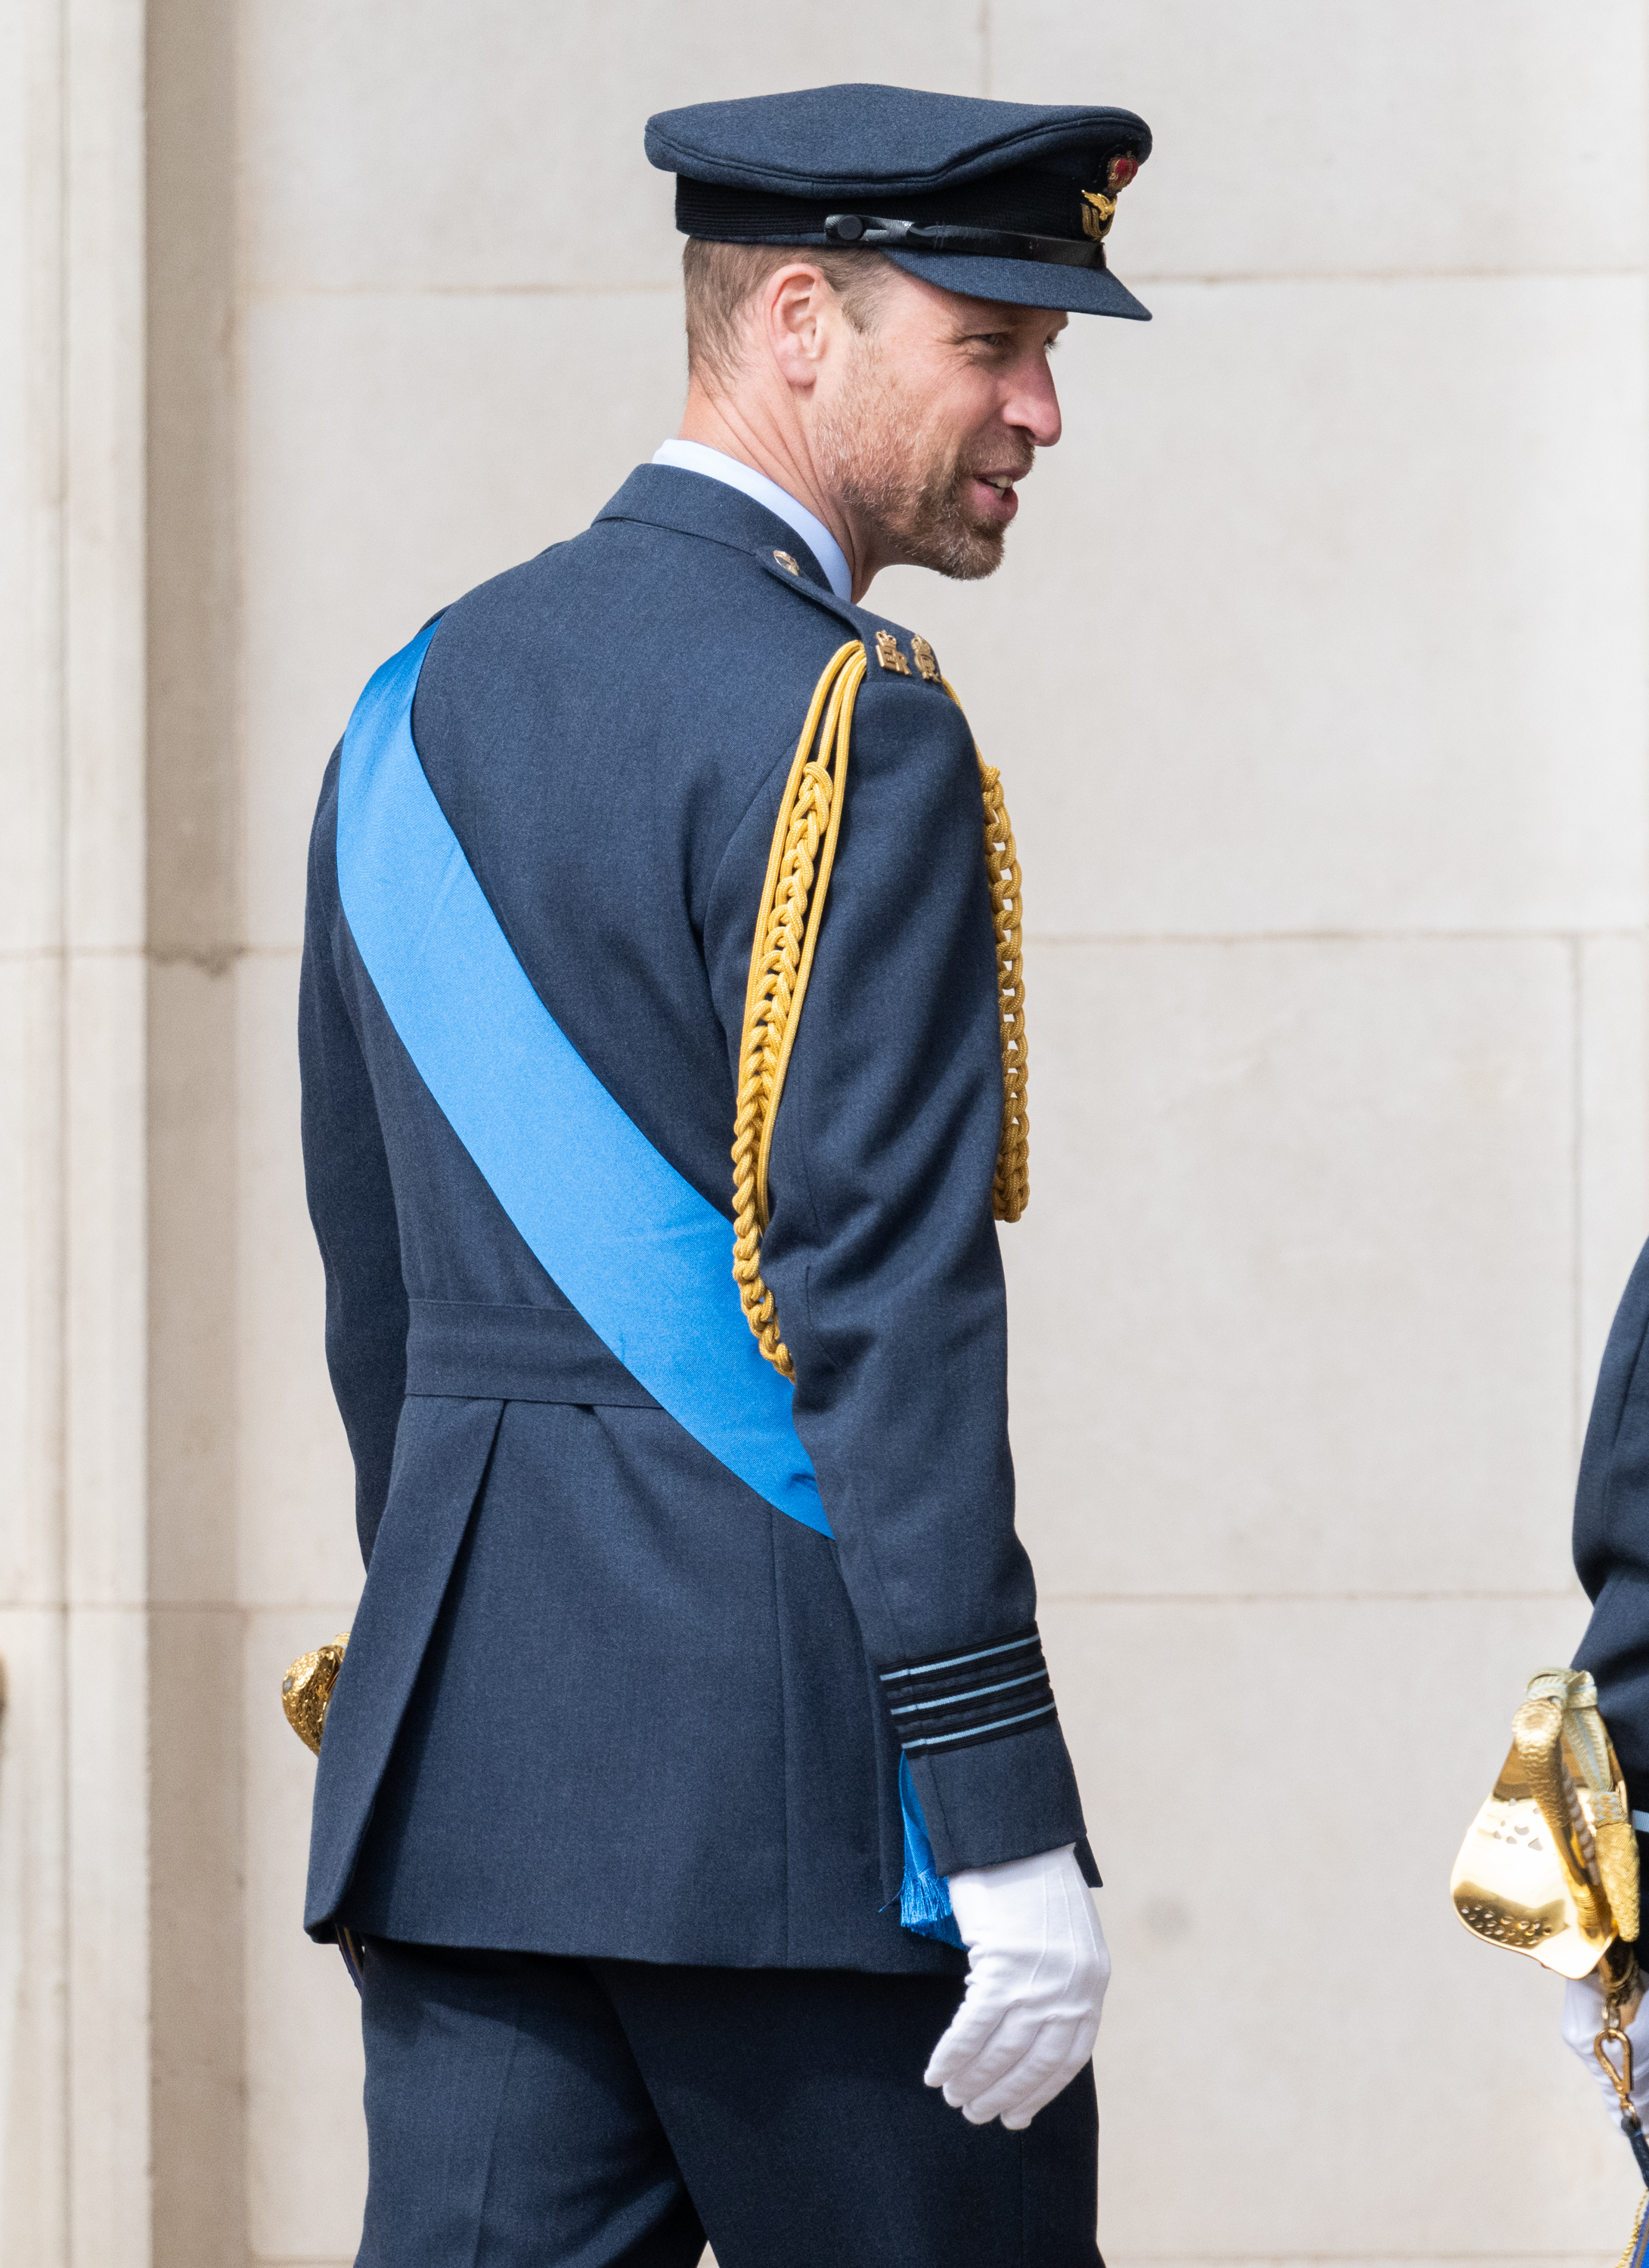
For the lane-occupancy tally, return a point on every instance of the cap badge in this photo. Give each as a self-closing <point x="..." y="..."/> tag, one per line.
<point x="787" y="563"/>
<point x="1099" y="206"/>
<point x="927" y="660"/>
<point x="888" y="654"/>
<point x="1098" y="212"/>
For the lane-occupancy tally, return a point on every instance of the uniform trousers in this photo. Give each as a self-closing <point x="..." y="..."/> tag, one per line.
<point x="526" y="2112"/>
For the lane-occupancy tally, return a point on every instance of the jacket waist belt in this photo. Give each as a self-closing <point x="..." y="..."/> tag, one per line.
<point x="486" y="1353"/>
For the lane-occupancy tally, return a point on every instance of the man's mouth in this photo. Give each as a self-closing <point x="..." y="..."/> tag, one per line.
<point x="994" y="494"/>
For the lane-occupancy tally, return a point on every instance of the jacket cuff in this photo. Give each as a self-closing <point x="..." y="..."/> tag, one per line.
<point x="981" y="1734"/>
<point x="969" y="1696"/>
<point x="1005" y="1800"/>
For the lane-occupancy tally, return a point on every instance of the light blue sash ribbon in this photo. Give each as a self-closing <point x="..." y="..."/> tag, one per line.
<point x="645" y="1260"/>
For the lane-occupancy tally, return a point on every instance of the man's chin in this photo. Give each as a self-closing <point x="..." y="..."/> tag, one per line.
<point x="962" y="550"/>
<point x="986" y="555"/>
<point x="981" y="554"/>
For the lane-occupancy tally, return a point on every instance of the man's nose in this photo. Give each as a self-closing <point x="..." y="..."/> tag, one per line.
<point x="1034" y="406"/>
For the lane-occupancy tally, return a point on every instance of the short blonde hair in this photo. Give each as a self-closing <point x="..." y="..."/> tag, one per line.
<point x="722" y="279"/>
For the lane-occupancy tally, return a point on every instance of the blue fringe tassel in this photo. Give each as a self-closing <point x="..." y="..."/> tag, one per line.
<point x="924" y="1896"/>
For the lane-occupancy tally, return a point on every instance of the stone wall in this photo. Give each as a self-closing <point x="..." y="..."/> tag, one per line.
<point x="1316" y="677"/>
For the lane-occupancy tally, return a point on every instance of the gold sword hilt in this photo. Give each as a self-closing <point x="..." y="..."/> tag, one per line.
<point x="1550" y="1865"/>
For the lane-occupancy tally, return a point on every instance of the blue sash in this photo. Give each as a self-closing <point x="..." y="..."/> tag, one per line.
<point x="645" y="1260"/>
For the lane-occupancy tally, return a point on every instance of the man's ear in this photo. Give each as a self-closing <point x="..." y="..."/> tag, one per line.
<point x="798" y="312"/>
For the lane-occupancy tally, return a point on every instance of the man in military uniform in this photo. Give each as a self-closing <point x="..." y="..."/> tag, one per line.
<point x="694" y="1783"/>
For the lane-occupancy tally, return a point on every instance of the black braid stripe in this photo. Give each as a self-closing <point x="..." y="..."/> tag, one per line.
<point x="977" y="1693"/>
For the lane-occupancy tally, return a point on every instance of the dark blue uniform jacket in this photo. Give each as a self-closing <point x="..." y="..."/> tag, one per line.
<point x="601" y="1698"/>
<point x="1611" y="1536"/>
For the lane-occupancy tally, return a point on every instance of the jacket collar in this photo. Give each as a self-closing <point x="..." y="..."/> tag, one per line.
<point x="665" y="495"/>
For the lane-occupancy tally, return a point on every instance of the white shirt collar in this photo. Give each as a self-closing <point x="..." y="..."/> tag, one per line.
<point x="716" y="464"/>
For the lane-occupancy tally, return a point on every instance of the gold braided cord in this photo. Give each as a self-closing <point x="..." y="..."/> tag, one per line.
<point x="781" y="960"/>
<point x="1011" y="1191"/>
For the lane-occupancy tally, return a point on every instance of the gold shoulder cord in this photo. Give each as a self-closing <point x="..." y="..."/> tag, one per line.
<point x="781" y="960"/>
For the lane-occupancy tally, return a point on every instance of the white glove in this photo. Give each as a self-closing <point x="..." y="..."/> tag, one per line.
<point x="1583" y="2021"/>
<point x="1037" y="1971"/>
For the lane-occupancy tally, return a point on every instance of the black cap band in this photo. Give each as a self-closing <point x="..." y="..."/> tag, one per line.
<point x="1022" y="215"/>
<point x="1000" y="244"/>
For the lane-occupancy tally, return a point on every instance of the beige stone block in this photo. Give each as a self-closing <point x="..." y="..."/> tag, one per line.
<point x="1326" y="613"/>
<point x="107" y="1907"/>
<point x="501" y="145"/>
<point x="33" y="1952"/>
<point x="30" y="1281"/>
<point x="1304" y="2056"/>
<point x="191" y="536"/>
<point x="1613" y="1135"/>
<point x="198" y="1936"/>
<point x="403" y="450"/>
<point x="307" y="2177"/>
<point x="297" y="1483"/>
<point x="1293" y="1307"/>
<point x="193" y="1195"/>
<point x="101" y="478"/>
<point x="1303" y="139"/>
<point x="106" y="1317"/>
<point x="31" y="531"/>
